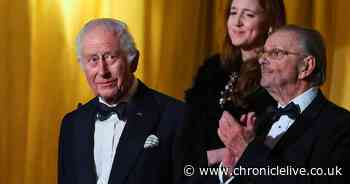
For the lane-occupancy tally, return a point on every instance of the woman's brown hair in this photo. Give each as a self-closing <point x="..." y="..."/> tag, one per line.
<point x="249" y="72"/>
<point x="275" y="12"/>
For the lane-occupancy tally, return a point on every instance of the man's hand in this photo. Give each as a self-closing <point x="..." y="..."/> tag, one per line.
<point x="215" y="156"/>
<point x="235" y="136"/>
<point x="229" y="159"/>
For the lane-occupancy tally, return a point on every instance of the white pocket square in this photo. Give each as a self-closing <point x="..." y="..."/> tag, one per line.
<point x="151" y="141"/>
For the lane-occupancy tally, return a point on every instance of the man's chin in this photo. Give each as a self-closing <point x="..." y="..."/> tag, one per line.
<point x="109" y="95"/>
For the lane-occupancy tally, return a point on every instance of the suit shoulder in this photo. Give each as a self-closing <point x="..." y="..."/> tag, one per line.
<point x="334" y="120"/>
<point x="337" y="111"/>
<point x="163" y="99"/>
<point x="81" y="109"/>
<point x="172" y="112"/>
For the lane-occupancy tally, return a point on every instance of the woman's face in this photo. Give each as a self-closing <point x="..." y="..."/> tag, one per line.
<point x="247" y="23"/>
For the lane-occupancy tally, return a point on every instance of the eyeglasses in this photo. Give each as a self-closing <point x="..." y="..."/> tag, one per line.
<point x="276" y="53"/>
<point x="108" y="57"/>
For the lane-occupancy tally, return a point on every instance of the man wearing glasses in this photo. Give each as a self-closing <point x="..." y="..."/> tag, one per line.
<point x="306" y="138"/>
<point x="128" y="133"/>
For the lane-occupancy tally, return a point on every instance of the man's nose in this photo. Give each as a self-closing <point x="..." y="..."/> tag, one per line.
<point x="102" y="67"/>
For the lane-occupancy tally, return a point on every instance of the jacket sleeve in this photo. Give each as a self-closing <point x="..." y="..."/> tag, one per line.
<point x="64" y="159"/>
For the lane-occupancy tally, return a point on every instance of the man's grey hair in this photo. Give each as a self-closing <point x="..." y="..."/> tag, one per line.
<point x="312" y="44"/>
<point x="126" y="41"/>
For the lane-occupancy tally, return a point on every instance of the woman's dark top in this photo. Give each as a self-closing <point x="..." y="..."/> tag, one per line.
<point x="205" y="112"/>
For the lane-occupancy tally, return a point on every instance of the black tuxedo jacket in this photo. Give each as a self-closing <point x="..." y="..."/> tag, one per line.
<point x="319" y="138"/>
<point x="148" y="112"/>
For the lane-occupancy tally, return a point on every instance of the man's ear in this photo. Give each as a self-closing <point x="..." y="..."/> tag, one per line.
<point x="307" y="67"/>
<point x="134" y="62"/>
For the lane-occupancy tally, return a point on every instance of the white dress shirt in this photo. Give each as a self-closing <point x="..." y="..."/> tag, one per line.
<point x="280" y="127"/>
<point x="106" y="139"/>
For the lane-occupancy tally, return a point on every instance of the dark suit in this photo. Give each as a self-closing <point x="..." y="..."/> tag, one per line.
<point x="319" y="138"/>
<point x="148" y="112"/>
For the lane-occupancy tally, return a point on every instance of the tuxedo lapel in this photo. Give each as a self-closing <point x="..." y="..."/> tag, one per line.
<point x="264" y="122"/>
<point x="301" y="124"/>
<point x="84" y="135"/>
<point x="142" y="118"/>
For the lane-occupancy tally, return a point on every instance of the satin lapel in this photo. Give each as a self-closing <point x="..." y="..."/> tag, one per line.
<point x="84" y="137"/>
<point x="142" y="119"/>
<point x="302" y="123"/>
<point x="264" y="122"/>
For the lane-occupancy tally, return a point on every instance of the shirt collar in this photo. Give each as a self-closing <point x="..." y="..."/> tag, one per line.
<point x="304" y="99"/>
<point x="125" y="98"/>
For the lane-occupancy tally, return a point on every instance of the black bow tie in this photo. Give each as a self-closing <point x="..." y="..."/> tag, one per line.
<point x="104" y="111"/>
<point x="291" y="110"/>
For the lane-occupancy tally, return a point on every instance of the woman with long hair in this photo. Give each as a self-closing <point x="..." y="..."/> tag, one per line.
<point x="230" y="80"/>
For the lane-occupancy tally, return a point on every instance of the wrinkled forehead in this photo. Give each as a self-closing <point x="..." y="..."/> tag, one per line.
<point x="100" y="32"/>
<point x="284" y="40"/>
<point x="100" y="37"/>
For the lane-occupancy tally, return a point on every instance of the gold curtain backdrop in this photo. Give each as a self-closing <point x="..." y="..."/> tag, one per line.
<point x="41" y="79"/>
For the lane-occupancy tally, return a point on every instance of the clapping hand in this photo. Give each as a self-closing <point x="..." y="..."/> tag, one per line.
<point x="236" y="135"/>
